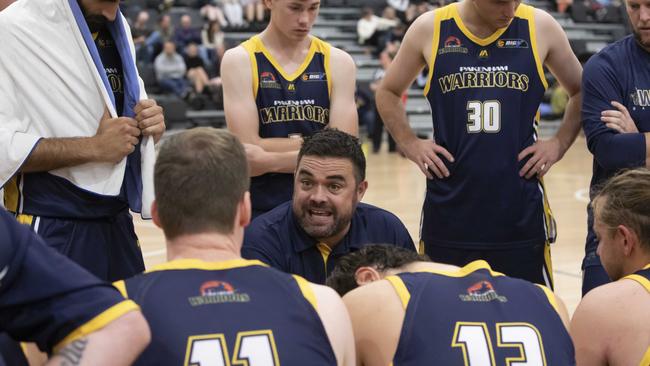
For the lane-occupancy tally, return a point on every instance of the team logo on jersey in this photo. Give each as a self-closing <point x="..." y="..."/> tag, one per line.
<point x="218" y="292"/>
<point x="313" y="76"/>
<point x="641" y="97"/>
<point x="452" y="45"/>
<point x="291" y="88"/>
<point x="267" y="81"/>
<point x="482" y="291"/>
<point x="483" y="54"/>
<point x="512" y="43"/>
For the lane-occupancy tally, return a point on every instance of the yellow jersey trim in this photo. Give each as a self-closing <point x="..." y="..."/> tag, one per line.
<point x="550" y="296"/>
<point x="209" y="266"/>
<point x="641" y="280"/>
<point x="438" y="16"/>
<point x="400" y="289"/>
<point x="479" y="41"/>
<point x="645" y="361"/>
<point x="25" y="219"/>
<point x="12" y="194"/>
<point x="98" y="322"/>
<point x="249" y="46"/>
<point x="307" y="291"/>
<point x="528" y="13"/>
<point x="326" y="49"/>
<point x="464" y="271"/>
<point x="314" y="45"/>
<point x="121" y="286"/>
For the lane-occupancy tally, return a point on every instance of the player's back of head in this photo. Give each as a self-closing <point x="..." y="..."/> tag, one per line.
<point x="200" y="178"/>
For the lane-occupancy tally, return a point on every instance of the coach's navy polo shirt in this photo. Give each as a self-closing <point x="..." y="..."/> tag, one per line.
<point x="277" y="239"/>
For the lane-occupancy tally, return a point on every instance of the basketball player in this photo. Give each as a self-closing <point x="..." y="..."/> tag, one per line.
<point x="49" y="147"/>
<point x="280" y="86"/>
<point x="207" y="304"/>
<point x="616" y="117"/>
<point x="611" y="325"/>
<point x="47" y="299"/>
<point x="485" y="196"/>
<point x="437" y="314"/>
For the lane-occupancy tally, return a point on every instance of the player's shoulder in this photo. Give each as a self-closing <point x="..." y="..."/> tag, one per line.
<point x="367" y="296"/>
<point x="600" y="301"/>
<point x="236" y="56"/>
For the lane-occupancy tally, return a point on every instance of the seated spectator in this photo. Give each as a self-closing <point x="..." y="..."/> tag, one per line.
<point x="213" y="38"/>
<point x="163" y="33"/>
<point x="371" y="28"/>
<point x="140" y="32"/>
<point x="399" y="8"/>
<point x="186" y="33"/>
<point x="170" y="71"/>
<point x="213" y="13"/>
<point x="196" y="73"/>
<point x="234" y="13"/>
<point x="254" y="12"/>
<point x="325" y="220"/>
<point x="611" y="325"/>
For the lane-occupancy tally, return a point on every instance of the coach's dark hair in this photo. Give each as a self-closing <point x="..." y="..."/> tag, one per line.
<point x="200" y="177"/>
<point x="332" y="143"/>
<point x="379" y="256"/>
<point x="625" y="200"/>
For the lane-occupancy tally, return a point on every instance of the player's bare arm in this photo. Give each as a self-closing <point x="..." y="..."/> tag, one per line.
<point x="555" y="51"/>
<point x="343" y="110"/>
<point x="337" y="324"/>
<point x="377" y="316"/>
<point x="115" y="139"/>
<point x="412" y="57"/>
<point x="119" y="343"/>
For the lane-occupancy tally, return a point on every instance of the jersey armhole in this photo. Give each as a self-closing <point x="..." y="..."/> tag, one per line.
<point x="327" y="53"/>
<point x="435" y="41"/>
<point x="532" y="32"/>
<point x="249" y="46"/>
<point x="307" y="291"/>
<point x="551" y="297"/>
<point x="400" y="289"/>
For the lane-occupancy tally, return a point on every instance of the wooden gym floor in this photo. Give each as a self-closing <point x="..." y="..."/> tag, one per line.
<point x="397" y="185"/>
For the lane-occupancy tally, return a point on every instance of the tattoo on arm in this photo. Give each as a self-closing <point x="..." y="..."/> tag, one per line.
<point x="73" y="353"/>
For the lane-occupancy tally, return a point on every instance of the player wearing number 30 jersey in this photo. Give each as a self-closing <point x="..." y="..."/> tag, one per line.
<point x="485" y="198"/>
<point x="436" y="314"/>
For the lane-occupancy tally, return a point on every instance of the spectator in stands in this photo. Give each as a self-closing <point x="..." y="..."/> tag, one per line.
<point x="254" y="11"/>
<point x="212" y="38"/>
<point x="196" y="72"/>
<point x="213" y="13"/>
<point x="377" y="132"/>
<point x="170" y="71"/>
<point x="325" y="219"/>
<point x="234" y="13"/>
<point x="400" y="7"/>
<point x="371" y="29"/>
<point x="163" y="33"/>
<point x="140" y="32"/>
<point x="186" y="33"/>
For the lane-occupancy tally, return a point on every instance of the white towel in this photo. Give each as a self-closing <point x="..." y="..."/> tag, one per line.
<point x="50" y="87"/>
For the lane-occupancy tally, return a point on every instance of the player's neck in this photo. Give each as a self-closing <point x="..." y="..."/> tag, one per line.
<point x="209" y="247"/>
<point x="279" y="44"/>
<point x="637" y="263"/>
<point x="473" y="21"/>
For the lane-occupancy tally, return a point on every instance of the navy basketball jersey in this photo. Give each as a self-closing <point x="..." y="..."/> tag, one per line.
<point x="475" y="316"/>
<point x="484" y="95"/>
<point x="288" y="105"/>
<point x="233" y="312"/>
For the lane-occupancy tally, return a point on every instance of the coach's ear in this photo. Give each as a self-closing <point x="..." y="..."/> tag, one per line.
<point x="245" y="210"/>
<point x="366" y="275"/>
<point x="154" y="214"/>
